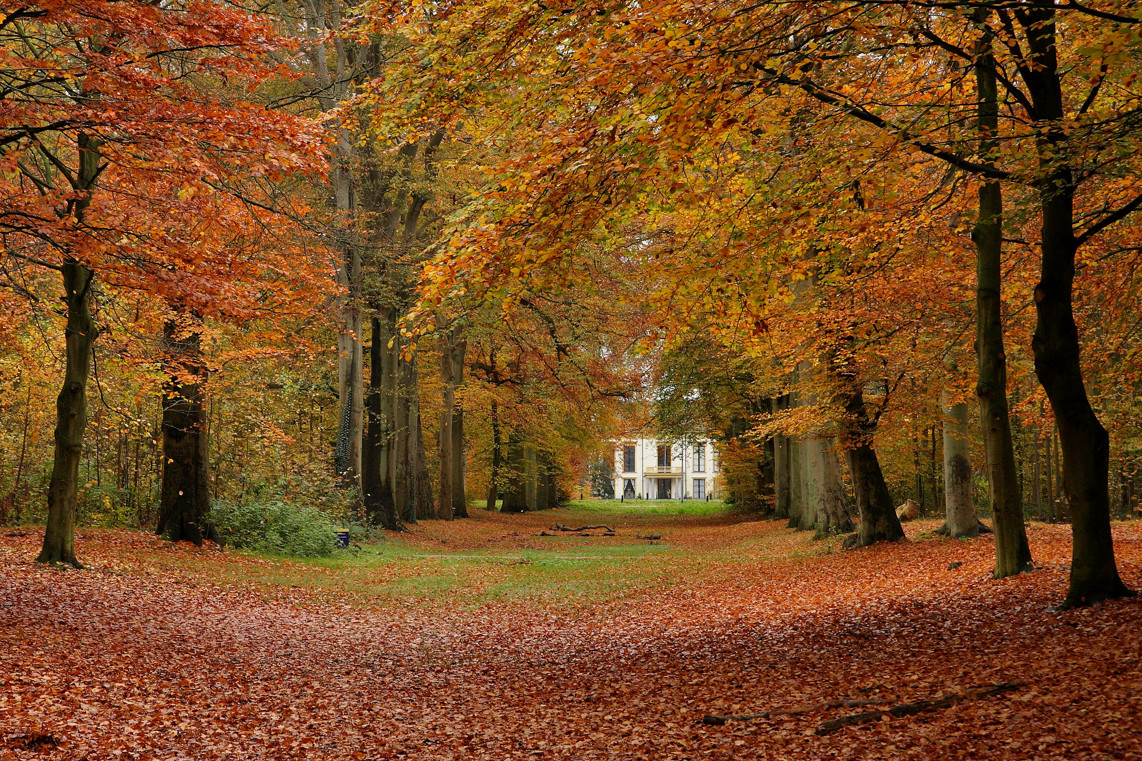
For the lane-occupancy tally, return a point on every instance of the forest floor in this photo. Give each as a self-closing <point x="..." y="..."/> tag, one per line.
<point x="483" y="639"/>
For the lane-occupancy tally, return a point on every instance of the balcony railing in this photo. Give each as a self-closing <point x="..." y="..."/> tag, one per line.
<point x="663" y="470"/>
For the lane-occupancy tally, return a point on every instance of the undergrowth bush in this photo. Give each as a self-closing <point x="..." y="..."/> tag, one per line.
<point x="274" y="526"/>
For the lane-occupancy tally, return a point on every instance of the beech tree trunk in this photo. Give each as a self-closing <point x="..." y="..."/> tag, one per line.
<point x="350" y="351"/>
<point x="828" y="488"/>
<point x="810" y="484"/>
<point x="497" y="444"/>
<point x="781" y="485"/>
<point x="402" y="454"/>
<point x="447" y="471"/>
<point x="376" y="455"/>
<point x="184" y="502"/>
<point x="515" y="477"/>
<point x="71" y="417"/>
<point x="80" y="333"/>
<point x="878" y="521"/>
<point x="960" y="513"/>
<point x="1012" y="554"/>
<point x="1084" y="443"/>
<point x="796" y="484"/>
<point x="425" y="506"/>
<point x="459" y="459"/>
<point x="453" y="500"/>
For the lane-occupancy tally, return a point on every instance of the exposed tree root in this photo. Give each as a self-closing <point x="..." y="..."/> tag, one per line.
<point x="908" y="709"/>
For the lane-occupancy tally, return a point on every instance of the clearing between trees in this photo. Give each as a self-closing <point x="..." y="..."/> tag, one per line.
<point x="485" y="639"/>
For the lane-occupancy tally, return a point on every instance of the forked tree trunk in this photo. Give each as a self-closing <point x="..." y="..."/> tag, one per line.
<point x="1012" y="554"/>
<point x="878" y="521"/>
<point x="80" y="333"/>
<point x="960" y="519"/>
<point x="71" y="417"/>
<point x="1084" y="442"/>
<point x="184" y="502"/>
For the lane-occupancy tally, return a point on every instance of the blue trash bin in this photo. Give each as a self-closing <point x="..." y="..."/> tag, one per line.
<point x="342" y="537"/>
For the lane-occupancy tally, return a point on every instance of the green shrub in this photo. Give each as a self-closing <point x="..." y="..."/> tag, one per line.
<point x="274" y="526"/>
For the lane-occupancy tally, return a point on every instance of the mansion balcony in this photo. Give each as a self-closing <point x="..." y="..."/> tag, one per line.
<point x="663" y="470"/>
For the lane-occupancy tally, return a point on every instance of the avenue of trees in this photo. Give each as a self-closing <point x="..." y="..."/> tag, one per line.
<point x="390" y="258"/>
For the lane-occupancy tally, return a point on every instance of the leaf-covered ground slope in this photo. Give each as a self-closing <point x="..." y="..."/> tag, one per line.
<point x="568" y="648"/>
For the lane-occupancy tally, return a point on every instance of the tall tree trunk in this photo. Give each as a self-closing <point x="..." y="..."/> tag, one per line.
<point x="425" y="502"/>
<point x="1084" y="442"/>
<point x="797" y="502"/>
<point x="497" y="444"/>
<point x="447" y="470"/>
<point x="459" y="460"/>
<point x="960" y="513"/>
<point x="809" y="461"/>
<point x="515" y="476"/>
<point x="878" y="521"/>
<point x="403" y="452"/>
<point x="376" y="455"/>
<point x="832" y="508"/>
<point x="781" y="476"/>
<point x="350" y="351"/>
<point x="184" y="503"/>
<point x="71" y="404"/>
<point x="1012" y="553"/>
<point x="453" y="499"/>
<point x="71" y="417"/>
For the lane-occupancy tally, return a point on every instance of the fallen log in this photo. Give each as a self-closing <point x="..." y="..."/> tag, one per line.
<point x="718" y="720"/>
<point x="651" y="537"/>
<point x="561" y="527"/>
<point x="908" y="709"/>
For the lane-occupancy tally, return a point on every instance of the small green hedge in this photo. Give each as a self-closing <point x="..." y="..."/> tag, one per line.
<point x="274" y="526"/>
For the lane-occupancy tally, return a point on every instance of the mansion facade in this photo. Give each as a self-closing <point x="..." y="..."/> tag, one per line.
<point x="651" y="469"/>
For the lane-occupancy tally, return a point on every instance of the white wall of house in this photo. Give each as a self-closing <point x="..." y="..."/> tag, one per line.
<point x="688" y="467"/>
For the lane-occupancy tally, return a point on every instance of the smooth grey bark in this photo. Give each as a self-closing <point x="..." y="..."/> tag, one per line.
<point x="447" y="472"/>
<point x="497" y="457"/>
<point x="960" y="517"/>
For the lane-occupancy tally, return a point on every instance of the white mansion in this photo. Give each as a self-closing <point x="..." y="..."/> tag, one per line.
<point x="649" y="469"/>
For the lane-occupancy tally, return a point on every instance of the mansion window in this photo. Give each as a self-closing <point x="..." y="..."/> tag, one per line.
<point x="628" y="458"/>
<point x="699" y="488"/>
<point x="664" y="455"/>
<point x="700" y="457"/>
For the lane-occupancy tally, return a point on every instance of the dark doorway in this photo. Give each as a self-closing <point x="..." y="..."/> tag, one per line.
<point x="663" y="488"/>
